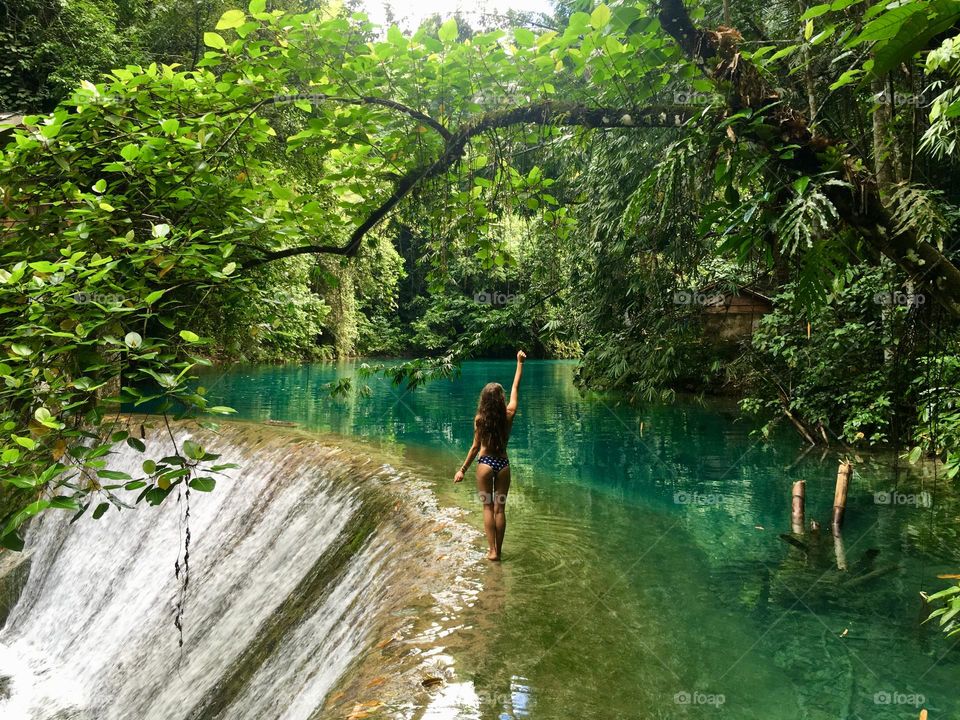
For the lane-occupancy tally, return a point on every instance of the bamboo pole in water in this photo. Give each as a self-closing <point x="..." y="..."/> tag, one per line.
<point x="839" y="507"/>
<point x="840" y="494"/>
<point x="797" y="509"/>
<point x="838" y="550"/>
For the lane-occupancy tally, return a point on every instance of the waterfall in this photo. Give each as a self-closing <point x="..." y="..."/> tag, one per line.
<point x="293" y="557"/>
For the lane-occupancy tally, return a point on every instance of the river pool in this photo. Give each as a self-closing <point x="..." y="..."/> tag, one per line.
<point x="643" y="575"/>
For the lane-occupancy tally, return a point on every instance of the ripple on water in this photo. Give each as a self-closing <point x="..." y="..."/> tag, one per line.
<point x="545" y="547"/>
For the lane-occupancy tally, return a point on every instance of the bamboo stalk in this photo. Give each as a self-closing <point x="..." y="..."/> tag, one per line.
<point x="840" y="495"/>
<point x="839" y="551"/>
<point x="797" y="506"/>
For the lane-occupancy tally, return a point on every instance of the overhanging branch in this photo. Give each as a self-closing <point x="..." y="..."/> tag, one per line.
<point x="363" y="100"/>
<point x="548" y="113"/>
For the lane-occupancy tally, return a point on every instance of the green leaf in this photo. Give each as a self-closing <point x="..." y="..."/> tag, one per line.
<point x="257" y="6"/>
<point x="100" y="510"/>
<point x="524" y="37"/>
<point x="62" y="502"/>
<point x="230" y="19"/>
<point x="815" y="11"/>
<point x="600" y="17"/>
<point x="113" y="475"/>
<point x="153" y="297"/>
<point x="192" y="450"/>
<point x="782" y="53"/>
<point x="912" y="32"/>
<point x="846" y="78"/>
<point x="221" y="410"/>
<point x="12" y="541"/>
<point x="99" y="186"/>
<point x="203" y="484"/>
<point x="26" y="442"/>
<point x="133" y="340"/>
<point x="170" y="125"/>
<point x="448" y="32"/>
<point x="578" y="22"/>
<point x="130" y="152"/>
<point x="212" y="39"/>
<point x="190" y="337"/>
<point x="25" y="514"/>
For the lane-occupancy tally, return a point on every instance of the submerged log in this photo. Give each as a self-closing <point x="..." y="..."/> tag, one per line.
<point x="873" y="574"/>
<point x="797" y="506"/>
<point x="789" y="539"/>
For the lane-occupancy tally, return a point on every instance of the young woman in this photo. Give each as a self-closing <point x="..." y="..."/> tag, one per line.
<point x="491" y="431"/>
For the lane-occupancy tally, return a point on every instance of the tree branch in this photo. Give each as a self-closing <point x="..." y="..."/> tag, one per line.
<point x="548" y="113"/>
<point x="363" y="100"/>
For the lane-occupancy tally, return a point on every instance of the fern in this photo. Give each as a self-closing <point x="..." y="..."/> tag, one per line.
<point x="808" y="217"/>
<point x="942" y="137"/>
<point x="921" y="210"/>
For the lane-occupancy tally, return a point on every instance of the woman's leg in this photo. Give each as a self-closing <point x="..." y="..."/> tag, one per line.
<point x="502" y="484"/>
<point x="485" y="492"/>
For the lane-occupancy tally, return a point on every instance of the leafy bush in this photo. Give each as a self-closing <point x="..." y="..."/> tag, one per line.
<point x="831" y="367"/>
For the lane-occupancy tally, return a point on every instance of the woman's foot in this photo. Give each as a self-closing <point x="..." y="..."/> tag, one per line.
<point x="493" y="555"/>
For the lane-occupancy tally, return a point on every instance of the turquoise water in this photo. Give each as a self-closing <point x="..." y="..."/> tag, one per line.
<point x="643" y="576"/>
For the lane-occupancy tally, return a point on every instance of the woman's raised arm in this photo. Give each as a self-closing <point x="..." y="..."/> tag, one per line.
<point x="515" y="390"/>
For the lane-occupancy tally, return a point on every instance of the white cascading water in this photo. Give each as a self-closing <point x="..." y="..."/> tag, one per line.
<point x="271" y="622"/>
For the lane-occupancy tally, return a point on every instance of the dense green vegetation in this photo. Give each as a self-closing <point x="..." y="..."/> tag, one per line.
<point x="196" y="183"/>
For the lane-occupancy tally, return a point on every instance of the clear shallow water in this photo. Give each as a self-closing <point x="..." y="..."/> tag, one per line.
<point x="643" y="575"/>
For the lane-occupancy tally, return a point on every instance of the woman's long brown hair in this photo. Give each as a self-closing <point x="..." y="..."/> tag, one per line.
<point x="491" y="420"/>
